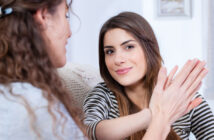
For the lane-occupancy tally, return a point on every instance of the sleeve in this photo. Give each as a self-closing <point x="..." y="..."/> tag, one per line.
<point x="96" y="109"/>
<point x="202" y="121"/>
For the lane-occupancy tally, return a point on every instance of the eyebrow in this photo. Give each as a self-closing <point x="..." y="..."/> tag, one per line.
<point x="125" y="42"/>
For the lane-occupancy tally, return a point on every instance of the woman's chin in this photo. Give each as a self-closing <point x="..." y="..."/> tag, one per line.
<point x="59" y="64"/>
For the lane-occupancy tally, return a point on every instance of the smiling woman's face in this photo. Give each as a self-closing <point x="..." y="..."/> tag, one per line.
<point x="124" y="57"/>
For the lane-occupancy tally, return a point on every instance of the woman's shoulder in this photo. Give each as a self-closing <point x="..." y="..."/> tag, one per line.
<point x="18" y="86"/>
<point x="19" y="97"/>
<point x="22" y="92"/>
<point x="100" y="94"/>
<point x="16" y="100"/>
<point x="100" y="89"/>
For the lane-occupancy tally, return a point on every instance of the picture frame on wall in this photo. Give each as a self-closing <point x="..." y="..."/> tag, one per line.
<point x="174" y="8"/>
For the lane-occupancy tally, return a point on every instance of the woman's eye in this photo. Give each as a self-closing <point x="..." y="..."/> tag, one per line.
<point x="109" y="51"/>
<point x="129" y="47"/>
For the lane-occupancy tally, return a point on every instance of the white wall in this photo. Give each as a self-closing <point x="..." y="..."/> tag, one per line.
<point x="179" y="38"/>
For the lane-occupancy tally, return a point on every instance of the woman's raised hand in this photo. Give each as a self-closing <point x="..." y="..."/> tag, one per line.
<point x="172" y="98"/>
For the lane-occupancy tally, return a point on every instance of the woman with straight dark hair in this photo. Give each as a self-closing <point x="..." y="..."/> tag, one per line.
<point x="133" y="95"/>
<point x="33" y="102"/>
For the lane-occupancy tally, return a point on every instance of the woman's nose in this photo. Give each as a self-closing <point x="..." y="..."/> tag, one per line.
<point x="69" y="33"/>
<point x="119" y="59"/>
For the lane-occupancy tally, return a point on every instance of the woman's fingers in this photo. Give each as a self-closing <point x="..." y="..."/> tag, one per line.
<point x="190" y="99"/>
<point x="193" y="76"/>
<point x="185" y="71"/>
<point x="193" y="104"/>
<point x="161" y="80"/>
<point x="171" y="76"/>
<point x="197" y="82"/>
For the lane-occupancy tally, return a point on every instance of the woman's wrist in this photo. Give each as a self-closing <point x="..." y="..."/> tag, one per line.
<point x="162" y="124"/>
<point x="146" y="114"/>
<point x="158" y="113"/>
<point x="158" y="128"/>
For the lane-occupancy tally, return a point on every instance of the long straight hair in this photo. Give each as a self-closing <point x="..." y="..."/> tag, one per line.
<point x="24" y="57"/>
<point x="140" y="29"/>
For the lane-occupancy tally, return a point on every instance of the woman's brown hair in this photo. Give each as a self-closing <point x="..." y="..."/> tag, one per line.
<point x="140" y="29"/>
<point x="24" y="57"/>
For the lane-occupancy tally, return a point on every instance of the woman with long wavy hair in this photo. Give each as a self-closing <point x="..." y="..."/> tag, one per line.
<point x="133" y="95"/>
<point x="33" y="102"/>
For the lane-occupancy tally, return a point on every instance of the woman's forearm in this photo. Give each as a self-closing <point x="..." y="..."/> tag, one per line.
<point x="158" y="129"/>
<point x="123" y="127"/>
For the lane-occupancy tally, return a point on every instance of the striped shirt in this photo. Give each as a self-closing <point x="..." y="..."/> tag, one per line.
<point x="101" y="104"/>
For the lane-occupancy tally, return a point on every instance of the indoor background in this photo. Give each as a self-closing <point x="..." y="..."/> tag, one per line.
<point x="180" y="37"/>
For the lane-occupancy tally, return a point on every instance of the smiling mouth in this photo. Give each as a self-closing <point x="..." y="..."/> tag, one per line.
<point x="123" y="71"/>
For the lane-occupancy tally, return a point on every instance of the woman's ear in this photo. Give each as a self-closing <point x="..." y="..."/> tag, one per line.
<point x="42" y="16"/>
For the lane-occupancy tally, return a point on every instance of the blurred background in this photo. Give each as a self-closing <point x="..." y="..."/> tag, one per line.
<point x="182" y="34"/>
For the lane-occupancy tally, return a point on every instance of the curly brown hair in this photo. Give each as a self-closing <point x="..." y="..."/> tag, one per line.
<point x="23" y="54"/>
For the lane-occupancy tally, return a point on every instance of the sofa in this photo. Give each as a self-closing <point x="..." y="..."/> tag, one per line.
<point x="79" y="80"/>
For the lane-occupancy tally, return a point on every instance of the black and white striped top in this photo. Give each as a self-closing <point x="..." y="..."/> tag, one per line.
<point x="101" y="104"/>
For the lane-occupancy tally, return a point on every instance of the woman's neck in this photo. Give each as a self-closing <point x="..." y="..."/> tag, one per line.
<point x="137" y="94"/>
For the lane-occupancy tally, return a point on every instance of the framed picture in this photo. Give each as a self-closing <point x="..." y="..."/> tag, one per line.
<point x="174" y="8"/>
